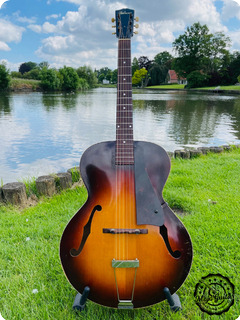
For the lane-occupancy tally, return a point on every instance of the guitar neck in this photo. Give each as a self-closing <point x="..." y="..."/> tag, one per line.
<point x="124" y="118"/>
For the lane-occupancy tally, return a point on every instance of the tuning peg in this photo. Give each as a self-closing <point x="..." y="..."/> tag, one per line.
<point x="136" y="19"/>
<point x="113" y="20"/>
<point x="114" y="33"/>
<point x="113" y="26"/>
<point x="136" y="32"/>
<point x="136" y="25"/>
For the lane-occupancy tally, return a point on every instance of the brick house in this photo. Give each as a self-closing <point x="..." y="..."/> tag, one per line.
<point x="172" y="77"/>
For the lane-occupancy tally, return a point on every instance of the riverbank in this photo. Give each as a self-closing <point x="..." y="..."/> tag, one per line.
<point x="205" y="193"/>
<point x="181" y="87"/>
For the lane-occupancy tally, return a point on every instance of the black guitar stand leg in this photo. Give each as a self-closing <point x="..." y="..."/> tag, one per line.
<point x="173" y="300"/>
<point x="81" y="299"/>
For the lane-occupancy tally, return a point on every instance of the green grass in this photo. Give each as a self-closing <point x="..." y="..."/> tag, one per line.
<point x="167" y="86"/>
<point x="181" y="86"/>
<point x="206" y="189"/>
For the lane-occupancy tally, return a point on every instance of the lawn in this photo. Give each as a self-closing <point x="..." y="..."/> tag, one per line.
<point x="204" y="192"/>
<point x="167" y="86"/>
<point x="181" y="86"/>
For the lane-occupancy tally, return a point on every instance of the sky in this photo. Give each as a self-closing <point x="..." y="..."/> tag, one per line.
<point x="79" y="32"/>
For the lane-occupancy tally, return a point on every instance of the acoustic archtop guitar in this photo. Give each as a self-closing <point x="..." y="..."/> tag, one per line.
<point x="125" y="243"/>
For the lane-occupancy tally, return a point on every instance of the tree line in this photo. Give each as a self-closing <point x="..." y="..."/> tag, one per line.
<point x="51" y="79"/>
<point x="203" y="58"/>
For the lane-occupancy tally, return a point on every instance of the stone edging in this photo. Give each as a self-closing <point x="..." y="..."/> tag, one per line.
<point x="15" y="192"/>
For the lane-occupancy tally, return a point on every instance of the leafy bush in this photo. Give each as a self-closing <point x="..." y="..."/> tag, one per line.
<point x="83" y="84"/>
<point x="69" y="79"/>
<point x="197" y="79"/>
<point x="4" y="77"/>
<point x="139" y="76"/>
<point x="49" y="79"/>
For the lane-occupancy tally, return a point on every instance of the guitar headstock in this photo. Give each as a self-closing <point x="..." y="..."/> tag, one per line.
<point x="124" y="19"/>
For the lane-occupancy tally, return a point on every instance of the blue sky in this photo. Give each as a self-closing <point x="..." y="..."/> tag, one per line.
<point x="79" y="32"/>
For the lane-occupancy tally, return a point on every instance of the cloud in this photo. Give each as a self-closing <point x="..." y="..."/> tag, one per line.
<point x="9" y="33"/>
<point x="53" y="16"/>
<point x="4" y="46"/>
<point x="230" y="10"/>
<point x="18" y="18"/>
<point x="88" y="29"/>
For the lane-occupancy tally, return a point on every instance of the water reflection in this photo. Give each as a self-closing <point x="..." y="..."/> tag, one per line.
<point x="194" y="119"/>
<point x="44" y="133"/>
<point x="4" y="105"/>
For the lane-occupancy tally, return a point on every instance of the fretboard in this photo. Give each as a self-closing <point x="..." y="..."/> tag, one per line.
<point x="124" y="119"/>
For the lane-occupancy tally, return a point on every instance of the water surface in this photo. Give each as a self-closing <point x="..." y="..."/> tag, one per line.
<point x="46" y="133"/>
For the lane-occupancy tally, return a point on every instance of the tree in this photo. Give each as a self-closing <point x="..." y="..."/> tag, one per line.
<point x="157" y="74"/>
<point x="16" y="74"/>
<point x="104" y="73"/>
<point x="144" y="62"/>
<point x="4" y="77"/>
<point x="234" y="67"/>
<point x="50" y="80"/>
<point x="43" y="64"/>
<point x="139" y="77"/>
<point x="199" y="50"/>
<point x="27" y="66"/>
<point x="114" y="76"/>
<point x="69" y="79"/>
<point x="164" y="58"/>
<point x="135" y="65"/>
<point x="87" y="73"/>
<point x="159" y="68"/>
<point x="197" y="79"/>
<point x="32" y="74"/>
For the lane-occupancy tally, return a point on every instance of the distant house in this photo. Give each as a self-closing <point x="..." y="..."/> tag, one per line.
<point x="105" y="81"/>
<point x="172" y="77"/>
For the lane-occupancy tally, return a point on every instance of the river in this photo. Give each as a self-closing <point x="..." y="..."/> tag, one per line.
<point x="42" y="133"/>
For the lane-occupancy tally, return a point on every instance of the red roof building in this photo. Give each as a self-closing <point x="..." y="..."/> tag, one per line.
<point x="172" y="77"/>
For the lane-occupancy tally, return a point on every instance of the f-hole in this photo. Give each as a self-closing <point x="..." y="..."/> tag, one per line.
<point x="86" y="232"/>
<point x="164" y="233"/>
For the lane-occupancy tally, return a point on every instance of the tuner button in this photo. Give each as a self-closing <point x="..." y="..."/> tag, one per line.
<point x="113" y="20"/>
<point x="113" y="26"/>
<point x="114" y="33"/>
<point x="136" y="32"/>
<point x="136" y="19"/>
<point x="136" y="25"/>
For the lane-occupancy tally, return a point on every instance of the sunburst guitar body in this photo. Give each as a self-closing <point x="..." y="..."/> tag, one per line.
<point x="125" y="243"/>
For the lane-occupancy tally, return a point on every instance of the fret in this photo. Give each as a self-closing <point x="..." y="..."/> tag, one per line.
<point x="124" y="120"/>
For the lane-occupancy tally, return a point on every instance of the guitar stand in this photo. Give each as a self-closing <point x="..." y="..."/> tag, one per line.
<point x="173" y="300"/>
<point x="81" y="299"/>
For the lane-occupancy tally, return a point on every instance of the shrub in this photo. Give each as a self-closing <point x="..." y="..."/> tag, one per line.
<point x="69" y="79"/>
<point x="49" y="79"/>
<point x="4" y="77"/>
<point x="197" y="79"/>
